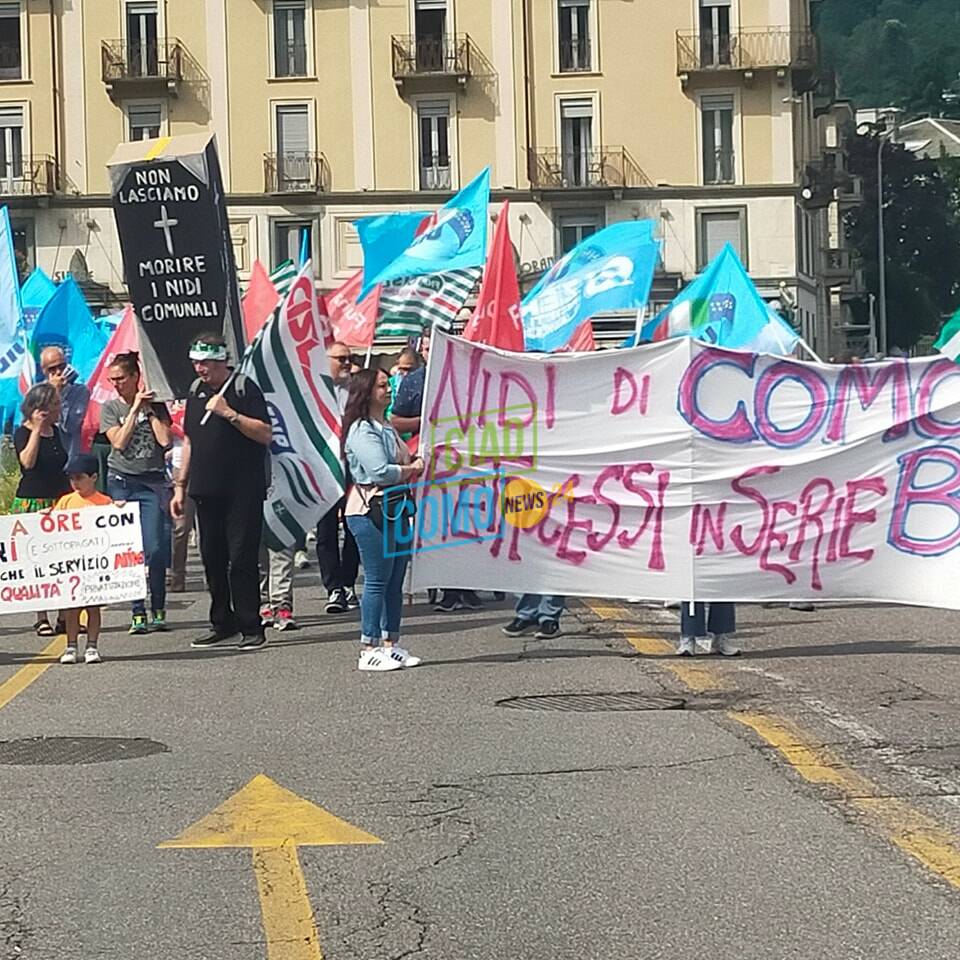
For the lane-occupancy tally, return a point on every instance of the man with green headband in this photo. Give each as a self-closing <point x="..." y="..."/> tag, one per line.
<point x="224" y="470"/>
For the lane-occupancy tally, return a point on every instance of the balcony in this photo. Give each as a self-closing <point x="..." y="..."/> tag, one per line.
<point x="746" y="51"/>
<point x="610" y="167"/>
<point x="29" y="177"/>
<point x="135" y="69"/>
<point x="434" y="61"/>
<point x="436" y="175"/>
<point x="295" y="173"/>
<point x="838" y="266"/>
<point x="719" y="166"/>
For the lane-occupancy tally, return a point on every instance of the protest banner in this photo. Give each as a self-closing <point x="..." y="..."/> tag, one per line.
<point x="71" y="558"/>
<point x="172" y="219"/>
<point x="684" y="471"/>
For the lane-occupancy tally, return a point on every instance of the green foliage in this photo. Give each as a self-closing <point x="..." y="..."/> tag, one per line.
<point x="9" y="475"/>
<point x="902" y="53"/>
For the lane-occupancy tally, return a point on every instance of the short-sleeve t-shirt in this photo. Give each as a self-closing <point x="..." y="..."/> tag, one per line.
<point x="409" y="396"/>
<point x="46" y="479"/>
<point x="74" y="501"/>
<point x="143" y="456"/>
<point x="223" y="462"/>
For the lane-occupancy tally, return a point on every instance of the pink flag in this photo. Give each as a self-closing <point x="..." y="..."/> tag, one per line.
<point x="260" y="301"/>
<point x="496" y="319"/>
<point x="582" y="340"/>
<point x="353" y="323"/>
<point x="124" y="340"/>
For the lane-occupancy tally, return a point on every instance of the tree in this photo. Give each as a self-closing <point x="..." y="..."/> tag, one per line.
<point x="922" y="231"/>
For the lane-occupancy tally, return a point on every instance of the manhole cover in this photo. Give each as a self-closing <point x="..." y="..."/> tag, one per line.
<point x="68" y="750"/>
<point x="593" y="702"/>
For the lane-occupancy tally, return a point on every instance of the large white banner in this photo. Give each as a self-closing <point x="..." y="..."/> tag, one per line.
<point x="681" y="471"/>
<point x="71" y="558"/>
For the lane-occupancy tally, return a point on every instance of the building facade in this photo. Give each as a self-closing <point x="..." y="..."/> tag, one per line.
<point x="705" y="115"/>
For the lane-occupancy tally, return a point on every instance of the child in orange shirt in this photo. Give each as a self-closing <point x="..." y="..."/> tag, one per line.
<point x="82" y="471"/>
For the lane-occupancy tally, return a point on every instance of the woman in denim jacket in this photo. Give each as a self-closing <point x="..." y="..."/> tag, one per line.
<point x="377" y="460"/>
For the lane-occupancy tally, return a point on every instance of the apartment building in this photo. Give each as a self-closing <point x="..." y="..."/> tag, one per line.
<point x="706" y="115"/>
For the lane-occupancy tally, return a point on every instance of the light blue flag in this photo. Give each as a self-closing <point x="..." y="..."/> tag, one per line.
<point x="384" y="238"/>
<point x="66" y="322"/>
<point x="610" y="270"/>
<point x="37" y="291"/>
<point x="10" y="310"/>
<point x="723" y="306"/>
<point x="453" y="238"/>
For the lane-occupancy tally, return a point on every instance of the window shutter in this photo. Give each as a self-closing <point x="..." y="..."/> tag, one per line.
<point x="9" y="10"/>
<point x="572" y="109"/>
<point x="11" y="116"/>
<point x="293" y="133"/>
<point x="720" y="229"/>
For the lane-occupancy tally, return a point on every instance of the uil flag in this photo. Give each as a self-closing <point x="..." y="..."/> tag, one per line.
<point x="259" y="302"/>
<point x="496" y="319"/>
<point x="288" y="361"/>
<point x="353" y="321"/>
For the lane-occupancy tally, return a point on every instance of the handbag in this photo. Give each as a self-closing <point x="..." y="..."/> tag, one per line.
<point x="391" y="504"/>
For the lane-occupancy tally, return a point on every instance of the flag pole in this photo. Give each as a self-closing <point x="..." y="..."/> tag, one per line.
<point x="806" y="346"/>
<point x="366" y="362"/>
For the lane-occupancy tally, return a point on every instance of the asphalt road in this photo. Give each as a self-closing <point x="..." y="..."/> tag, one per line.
<point x="803" y="804"/>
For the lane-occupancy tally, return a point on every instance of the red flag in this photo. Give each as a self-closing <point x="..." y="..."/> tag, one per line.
<point x="582" y="340"/>
<point x="353" y="323"/>
<point x="124" y="340"/>
<point x="496" y="319"/>
<point x="260" y="301"/>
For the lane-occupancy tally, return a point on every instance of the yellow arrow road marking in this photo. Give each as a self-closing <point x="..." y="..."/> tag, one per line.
<point x="274" y="821"/>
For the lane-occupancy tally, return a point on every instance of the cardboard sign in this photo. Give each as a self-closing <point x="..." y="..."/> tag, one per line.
<point x="175" y="236"/>
<point x="682" y="471"/>
<point x="71" y="558"/>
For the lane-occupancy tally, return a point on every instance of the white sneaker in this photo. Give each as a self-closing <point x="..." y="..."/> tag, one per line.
<point x="300" y="560"/>
<point x="378" y="660"/>
<point x="92" y="655"/>
<point x="406" y="658"/>
<point x="69" y="655"/>
<point x="687" y="647"/>
<point x="723" y="644"/>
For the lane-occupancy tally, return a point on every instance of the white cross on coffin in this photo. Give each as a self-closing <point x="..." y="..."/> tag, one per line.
<point x="165" y="223"/>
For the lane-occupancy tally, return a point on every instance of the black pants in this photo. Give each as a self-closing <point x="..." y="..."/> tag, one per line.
<point x="338" y="569"/>
<point x="230" y="529"/>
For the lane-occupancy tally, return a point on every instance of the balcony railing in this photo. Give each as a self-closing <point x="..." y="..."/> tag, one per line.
<point x="128" y="61"/>
<point x="436" y="175"/>
<point x="749" y="49"/>
<point x="719" y="167"/>
<point x="553" y="169"/>
<point x="432" y="56"/>
<point x="575" y="55"/>
<point x="291" y="60"/>
<point x="296" y="173"/>
<point x="29" y="177"/>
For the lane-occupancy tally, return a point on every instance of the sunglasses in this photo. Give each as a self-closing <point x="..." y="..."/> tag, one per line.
<point x="55" y="368"/>
<point x="341" y="359"/>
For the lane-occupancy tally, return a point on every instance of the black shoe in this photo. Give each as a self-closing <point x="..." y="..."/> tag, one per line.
<point x="518" y="627"/>
<point x="353" y="601"/>
<point x="470" y="600"/>
<point x="548" y="630"/>
<point x="449" y="604"/>
<point x="252" y="641"/>
<point x="337" y="602"/>
<point x="212" y="639"/>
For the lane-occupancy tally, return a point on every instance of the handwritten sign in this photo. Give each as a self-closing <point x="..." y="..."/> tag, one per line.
<point x="683" y="471"/>
<point x="71" y="558"/>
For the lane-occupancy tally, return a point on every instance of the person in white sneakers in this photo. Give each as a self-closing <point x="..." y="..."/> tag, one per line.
<point x="711" y="631"/>
<point x="378" y="515"/>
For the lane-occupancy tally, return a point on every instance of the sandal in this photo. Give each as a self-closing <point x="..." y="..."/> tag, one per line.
<point x="43" y="628"/>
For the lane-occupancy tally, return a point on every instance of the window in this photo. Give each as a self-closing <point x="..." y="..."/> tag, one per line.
<point x="433" y="117"/>
<point x="430" y="28"/>
<point x="289" y="239"/>
<point x="576" y="140"/>
<point x="11" y="51"/>
<point x="294" y="160"/>
<point x="144" y="120"/>
<point x="715" y="44"/>
<point x="11" y="146"/>
<point x="572" y="228"/>
<point x="24" y="246"/>
<point x="717" y="227"/>
<point x="142" y="39"/>
<point x="717" y="135"/>
<point x="289" y="38"/>
<point x="574" y="35"/>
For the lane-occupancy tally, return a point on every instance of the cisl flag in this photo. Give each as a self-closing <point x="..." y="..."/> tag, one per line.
<point x="353" y="323"/>
<point x="496" y="319"/>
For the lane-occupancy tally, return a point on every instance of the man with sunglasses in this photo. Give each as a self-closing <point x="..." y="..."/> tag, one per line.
<point x="74" y="396"/>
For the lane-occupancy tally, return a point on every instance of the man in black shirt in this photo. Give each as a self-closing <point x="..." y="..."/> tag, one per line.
<point x="224" y="470"/>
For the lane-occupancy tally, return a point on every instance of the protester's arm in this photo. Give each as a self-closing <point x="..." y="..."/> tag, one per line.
<point x="405" y="424"/>
<point x="31" y="450"/>
<point x="120" y="434"/>
<point x="366" y="445"/>
<point x="180" y="483"/>
<point x="253" y="427"/>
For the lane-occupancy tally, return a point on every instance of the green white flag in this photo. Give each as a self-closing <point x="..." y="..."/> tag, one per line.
<point x="432" y="300"/>
<point x="288" y="361"/>
<point x="948" y="343"/>
<point x="283" y="276"/>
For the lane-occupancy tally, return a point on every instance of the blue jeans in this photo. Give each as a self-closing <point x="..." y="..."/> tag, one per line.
<point x="381" y="605"/>
<point x="722" y="618"/>
<point x="539" y="607"/>
<point x="156" y="532"/>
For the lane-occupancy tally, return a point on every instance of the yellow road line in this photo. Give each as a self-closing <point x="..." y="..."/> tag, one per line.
<point x="32" y="671"/>
<point x="287" y="915"/>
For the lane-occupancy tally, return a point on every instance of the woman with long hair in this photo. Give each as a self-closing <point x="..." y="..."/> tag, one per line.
<point x="379" y="463"/>
<point x="42" y="453"/>
<point x="138" y="428"/>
